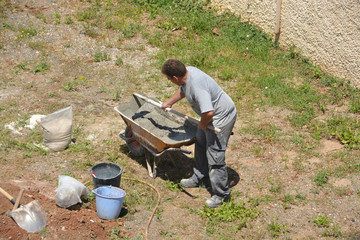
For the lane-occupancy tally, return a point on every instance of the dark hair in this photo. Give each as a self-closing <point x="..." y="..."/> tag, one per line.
<point x="173" y="67"/>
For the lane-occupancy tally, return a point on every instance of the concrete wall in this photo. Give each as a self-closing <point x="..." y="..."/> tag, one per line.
<point x="325" y="31"/>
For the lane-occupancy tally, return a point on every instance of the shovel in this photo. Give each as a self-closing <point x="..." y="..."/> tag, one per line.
<point x="30" y="217"/>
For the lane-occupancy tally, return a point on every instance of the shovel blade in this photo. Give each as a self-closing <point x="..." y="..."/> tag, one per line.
<point x="31" y="217"/>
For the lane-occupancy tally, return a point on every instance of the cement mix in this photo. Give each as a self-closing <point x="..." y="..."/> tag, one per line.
<point x="168" y="127"/>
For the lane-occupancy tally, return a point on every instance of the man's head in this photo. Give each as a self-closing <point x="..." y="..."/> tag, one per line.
<point x="174" y="70"/>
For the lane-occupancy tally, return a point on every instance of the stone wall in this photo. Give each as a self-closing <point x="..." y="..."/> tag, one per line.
<point x="325" y="31"/>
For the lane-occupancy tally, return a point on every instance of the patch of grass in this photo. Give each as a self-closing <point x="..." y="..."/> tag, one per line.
<point x="22" y="66"/>
<point x="87" y="14"/>
<point x="42" y="67"/>
<point x="131" y="29"/>
<point x="90" y="31"/>
<point x="8" y="26"/>
<point x="229" y="212"/>
<point x="40" y="16"/>
<point x="346" y="129"/>
<point x="57" y="18"/>
<point x="276" y="228"/>
<point x="321" y="178"/>
<point x="175" y="187"/>
<point x="115" y="233"/>
<point x="119" y="61"/>
<point x="332" y="232"/>
<point x="321" y="221"/>
<point x="27" y="31"/>
<point x="266" y="131"/>
<point x="69" y="20"/>
<point x="300" y="196"/>
<point x="68" y="86"/>
<point x="138" y="195"/>
<point x="27" y="146"/>
<point x="81" y="147"/>
<point x="40" y="46"/>
<point x="82" y="164"/>
<point x="288" y="199"/>
<point x="275" y="189"/>
<point x="73" y="84"/>
<point x="101" y="56"/>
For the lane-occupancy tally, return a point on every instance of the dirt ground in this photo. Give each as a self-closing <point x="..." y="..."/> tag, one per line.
<point x="259" y="169"/>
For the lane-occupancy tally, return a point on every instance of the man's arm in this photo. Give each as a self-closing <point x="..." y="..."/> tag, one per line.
<point x="175" y="98"/>
<point x="205" y="119"/>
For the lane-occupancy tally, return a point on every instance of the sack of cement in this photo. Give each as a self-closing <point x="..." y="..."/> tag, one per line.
<point x="69" y="192"/>
<point x="57" y="128"/>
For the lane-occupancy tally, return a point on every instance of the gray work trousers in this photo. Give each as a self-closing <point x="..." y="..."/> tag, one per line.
<point x="209" y="162"/>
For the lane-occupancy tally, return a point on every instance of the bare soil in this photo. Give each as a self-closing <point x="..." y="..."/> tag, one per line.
<point x="256" y="164"/>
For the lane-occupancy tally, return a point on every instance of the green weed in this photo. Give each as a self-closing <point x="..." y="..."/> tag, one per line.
<point x="346" y="129"/>
<point x="332" y="232"/>
<point x="101" y="56"/>
<point x="40" y="16"/>
<point x="116" y="234"/>
<point x="40" y="46"/>
<point x="72" y="85"/>
<point x="321" y="221"/>
<point x="321" y="178"/>
<point x="131" y="29"/>
<point x="175" y="187"/>
<point x="22" y="66"/>
<point x="87" y="14"/>
<point x="266" y="131"/>
<point x="119" y="61"/>
<point x="8" y="26"/>
<point x="275" y="189"/>
<point x="57" y="17"/>
<point x="42" y="67"/>
<point x="69" y="20"/>
<point x="276" y="228"/>
<point x="229" y="212"/>
<point x="68" y="86"/>
<point x="27" y="31"/>
<point x="288" y="199"/>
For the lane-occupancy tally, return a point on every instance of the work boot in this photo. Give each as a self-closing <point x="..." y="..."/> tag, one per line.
<point x="216" y="201"/>
<point x="188" y="183"/>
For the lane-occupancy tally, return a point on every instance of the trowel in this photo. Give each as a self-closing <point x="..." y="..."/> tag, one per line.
<point x="30" y="217"/>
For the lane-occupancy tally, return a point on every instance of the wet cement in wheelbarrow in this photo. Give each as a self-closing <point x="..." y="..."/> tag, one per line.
<point x="167" y="126"/>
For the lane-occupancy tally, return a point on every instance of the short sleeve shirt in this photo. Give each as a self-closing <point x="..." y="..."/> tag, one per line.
<point x="204" y="95"/>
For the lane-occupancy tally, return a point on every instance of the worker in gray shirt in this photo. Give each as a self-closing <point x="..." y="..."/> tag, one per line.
<point x="216" y="109"/>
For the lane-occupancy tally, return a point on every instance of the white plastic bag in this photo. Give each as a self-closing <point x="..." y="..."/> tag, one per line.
<point x="57" y="128"/>
<point x="69" y="192"/>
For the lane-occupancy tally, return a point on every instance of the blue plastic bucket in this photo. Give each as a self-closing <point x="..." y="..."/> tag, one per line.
<point x="109" y="201"/>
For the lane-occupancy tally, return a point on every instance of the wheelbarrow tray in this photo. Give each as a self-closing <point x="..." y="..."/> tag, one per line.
<point x="154" y="128"/>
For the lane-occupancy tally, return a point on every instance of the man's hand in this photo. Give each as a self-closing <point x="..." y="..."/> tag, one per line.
<point x="175" y="98"/>
<point x="166" y="105"/>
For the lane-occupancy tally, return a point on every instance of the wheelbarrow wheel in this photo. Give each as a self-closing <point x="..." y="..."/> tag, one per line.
<point x="133" y="145"/>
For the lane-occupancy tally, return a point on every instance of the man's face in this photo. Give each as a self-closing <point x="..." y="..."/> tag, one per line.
<point x="173" y="79"/>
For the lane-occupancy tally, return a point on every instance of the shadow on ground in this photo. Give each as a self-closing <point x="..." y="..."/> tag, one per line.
<point x="174" y="166"/>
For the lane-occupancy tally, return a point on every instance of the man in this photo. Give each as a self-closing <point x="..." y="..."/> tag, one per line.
<point x="215" y="108"/>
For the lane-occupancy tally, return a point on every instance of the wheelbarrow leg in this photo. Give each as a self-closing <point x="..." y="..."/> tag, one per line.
<point x="151" y="170"/>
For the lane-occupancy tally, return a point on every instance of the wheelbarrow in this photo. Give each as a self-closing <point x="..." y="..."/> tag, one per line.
<point x="151" y="131"/>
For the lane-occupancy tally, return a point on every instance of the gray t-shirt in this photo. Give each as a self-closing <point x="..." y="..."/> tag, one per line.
<point x="204" y="95"/>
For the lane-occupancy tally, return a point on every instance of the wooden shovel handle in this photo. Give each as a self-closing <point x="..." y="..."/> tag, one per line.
<point x="16" y="205"/>
<point x="7" y="195"/>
